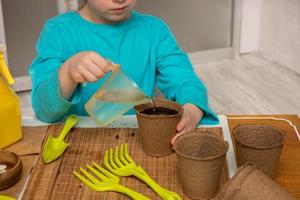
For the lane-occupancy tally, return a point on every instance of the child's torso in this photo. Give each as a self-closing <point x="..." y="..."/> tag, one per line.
<point x="131" y="44"/>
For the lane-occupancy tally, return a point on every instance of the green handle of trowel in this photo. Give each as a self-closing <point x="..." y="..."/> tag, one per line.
<point x="71" y="121"/>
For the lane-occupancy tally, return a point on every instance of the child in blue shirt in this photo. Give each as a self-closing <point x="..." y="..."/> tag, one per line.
<point x="72" y="49"/>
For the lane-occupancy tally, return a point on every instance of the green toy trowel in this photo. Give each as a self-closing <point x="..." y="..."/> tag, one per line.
<point x="55" y="147"/>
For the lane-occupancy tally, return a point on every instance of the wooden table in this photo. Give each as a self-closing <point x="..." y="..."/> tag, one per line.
<point x="288" y="175"/>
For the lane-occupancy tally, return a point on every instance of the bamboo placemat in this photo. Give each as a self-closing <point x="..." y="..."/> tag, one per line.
<point x="55" y="180"/>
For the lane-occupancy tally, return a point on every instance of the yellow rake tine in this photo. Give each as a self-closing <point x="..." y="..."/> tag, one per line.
<point x="83" y="180"/>
<point x="89" y="176"/>
<point x="106" y="162"/>
<point x="111" y="160"/>
<point x="116" y="157"/>
<point x="122" y="158"/>
<point x="104" y="171"/>
<point x="127" y="156"/>
<point x="97" y="173"/>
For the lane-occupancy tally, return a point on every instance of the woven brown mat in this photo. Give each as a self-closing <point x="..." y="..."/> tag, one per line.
<point x="55" y="180"/>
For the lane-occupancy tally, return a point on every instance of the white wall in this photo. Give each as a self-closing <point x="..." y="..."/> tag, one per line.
<point x="2" y="34"/>
<point x="197" y="24"/>
<point x="23" y="21"/>
<point x="250" y="27"/>
<point x="280" y="32"/>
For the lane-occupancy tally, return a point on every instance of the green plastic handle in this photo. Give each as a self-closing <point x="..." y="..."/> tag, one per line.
<point x="71" y="121"/>
<point x="162" y="192"/>
<point x="133" y="194"/>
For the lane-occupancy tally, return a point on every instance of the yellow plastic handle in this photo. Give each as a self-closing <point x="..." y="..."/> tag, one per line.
<point x="133" y="194"/>
<point x="70" y="123"/>
<point x="2" y="197"/>
<point x="162" y="192"/>
<point x="4" y="70"/>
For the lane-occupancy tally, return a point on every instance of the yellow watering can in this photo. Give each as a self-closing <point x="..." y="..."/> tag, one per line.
<point x="10" y="112"/>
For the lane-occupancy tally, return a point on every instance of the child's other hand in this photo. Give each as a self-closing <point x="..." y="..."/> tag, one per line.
<point x="86" y="67"/>
<point x="190" y="117"/>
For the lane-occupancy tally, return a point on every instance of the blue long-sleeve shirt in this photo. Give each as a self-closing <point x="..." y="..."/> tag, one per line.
<point x="144" y="47"/>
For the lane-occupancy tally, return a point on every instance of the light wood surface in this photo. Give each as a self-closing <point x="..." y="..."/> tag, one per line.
<point x="251" y="85"/>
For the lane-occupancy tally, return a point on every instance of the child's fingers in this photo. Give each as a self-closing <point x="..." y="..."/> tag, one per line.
<point x="188" y="128"/>
<point x="101" y="63"/>
<point x="181" y="125"/>
<point x="88" y="75"/>
<point x="78" y="77"/>
<point x="95" y="70"/>
<point x="175" y="137"/>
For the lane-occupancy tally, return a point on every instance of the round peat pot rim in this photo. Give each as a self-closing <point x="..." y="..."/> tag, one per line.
<point x="197" y="134"/>
<point x="172" y="105"/>
<point x="278" y="131"/>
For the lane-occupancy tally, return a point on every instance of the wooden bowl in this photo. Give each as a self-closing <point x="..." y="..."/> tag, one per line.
<point x="13" y="171"/>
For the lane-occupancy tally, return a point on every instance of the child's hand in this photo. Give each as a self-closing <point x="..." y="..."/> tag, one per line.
<point x="81" y="68"/>
<point x="87" y="67"/>
<point x="190" y="117"/>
